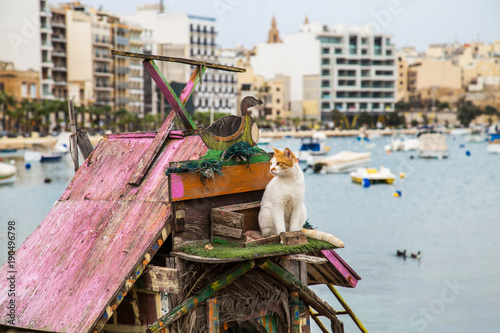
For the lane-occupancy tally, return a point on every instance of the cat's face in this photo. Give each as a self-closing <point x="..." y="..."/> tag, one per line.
<point x="282" y="161"/>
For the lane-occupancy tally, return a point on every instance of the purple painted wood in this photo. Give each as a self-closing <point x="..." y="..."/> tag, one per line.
<point x="153" y="149"/>
<point x="192" y="83"/>
<point x="342" y="267"/>
<point x="169" y="94"/>
<point x="76" y="266"/>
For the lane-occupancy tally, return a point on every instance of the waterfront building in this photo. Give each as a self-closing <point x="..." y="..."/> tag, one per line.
<point x="22" y="85"/>
<point x="199" y="35"/>
<point x="59" y="54"/>
<point x="351" y="69"/>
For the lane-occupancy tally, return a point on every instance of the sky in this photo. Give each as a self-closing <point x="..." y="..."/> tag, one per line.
<point x="411" y="22"/>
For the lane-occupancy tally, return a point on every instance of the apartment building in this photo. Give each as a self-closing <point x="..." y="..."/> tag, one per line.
<point x="217" y="90"/>
<point x="59" y="54"/>
<point x="358" y="70"/>
<point x="19" y="84"/>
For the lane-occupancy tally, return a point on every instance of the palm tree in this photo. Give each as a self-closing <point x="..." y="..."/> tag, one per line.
<point x="6" y="102"/>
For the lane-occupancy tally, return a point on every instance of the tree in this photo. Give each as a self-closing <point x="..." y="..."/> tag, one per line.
<point x="466" y="111"/>
<point x="364" y="118"/>
<point x="6" y="103"/>
<point x="336" y="117"/>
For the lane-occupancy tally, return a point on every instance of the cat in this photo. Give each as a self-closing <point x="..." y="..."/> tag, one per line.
<point x="282" y="206"/>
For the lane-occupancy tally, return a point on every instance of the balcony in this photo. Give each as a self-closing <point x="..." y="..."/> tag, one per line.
<point x="46" y="28"/>
<point x="47" y="46"/>
<point x="47" y="63"/>
<point x="122" y="85"/>
<point x="58" y="24"/>
<point x="60" y="83"/>
<point x="59" y="53"/>
<point x="59" y="38"/>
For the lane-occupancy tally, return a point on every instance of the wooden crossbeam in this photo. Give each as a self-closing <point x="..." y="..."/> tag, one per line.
<point x="179" y="60"/>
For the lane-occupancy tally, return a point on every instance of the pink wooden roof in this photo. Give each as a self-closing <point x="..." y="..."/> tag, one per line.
<point x="83" y="253"/>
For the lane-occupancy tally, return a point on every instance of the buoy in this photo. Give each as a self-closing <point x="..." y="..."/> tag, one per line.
<point x="397" y="194"/>
<point x="467" y="152"/>
<point x="388" y="151"/>
<point x="47" y="180"/>
<point x="27" y="165"/>
<point x="462" y="145"/>
<point x="358" y="138"/>
<point x="365" y="182"/>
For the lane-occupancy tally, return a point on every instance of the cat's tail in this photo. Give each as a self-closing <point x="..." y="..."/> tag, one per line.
<point x="323" y="236"/>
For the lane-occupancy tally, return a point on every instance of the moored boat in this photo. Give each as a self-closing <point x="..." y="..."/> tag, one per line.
<point x="382" y="175"/>
<point x="343" y="161"/>
<point x="494" y="139"/>
<point x="7" y="173"/>
<point x="432" y="145"/>
<point x="312" y="146"/>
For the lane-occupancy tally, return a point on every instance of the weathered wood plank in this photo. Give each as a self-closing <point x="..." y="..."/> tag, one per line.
<point x="179" y="60"/>
<point x="342" y="267"/>
<point x="223" y="230"/>
<point x="294" y="300"/>
<point x="169" y="93"/>
<point x="293" y="238"/>
<point x="213" y="315"/>
<point x="227" y="218"/>
<point x="192" y="83"/>
<point x="235" y="179"/>
<point x="263" y="241"/>
<point x="205" y="293"/>
<point x="160" y="279"/>
<point x="149" y="155"/>
<point x="307" y="258"/>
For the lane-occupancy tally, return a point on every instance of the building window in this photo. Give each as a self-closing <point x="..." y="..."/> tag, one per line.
<point x="277" y="100"/>
<point x="325" y="50"/>
<point x="2" y="88"/>
<point x="325" y="61"/>
<point x="338" y="51"/>
<point x="33" y="90"/>
<point x="24" y="90"/>
<point x="325" y="72"/>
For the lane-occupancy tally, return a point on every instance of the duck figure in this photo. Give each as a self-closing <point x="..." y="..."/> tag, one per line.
<point x="401" y="253"/>
<point x="230" y="130"/>
<point x="416" y="256"/>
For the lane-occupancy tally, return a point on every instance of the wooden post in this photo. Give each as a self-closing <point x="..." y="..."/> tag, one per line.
<point x="221" y="282"/>
<point x="314" y="316"/>
<point x="347" y="308"/>
<point x="294" y="300"/>
<point x="213" y="315"/>
<point x="73" y="144"/>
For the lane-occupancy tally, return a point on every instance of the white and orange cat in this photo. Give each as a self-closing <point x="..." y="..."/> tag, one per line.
<point x="282" y="207"/>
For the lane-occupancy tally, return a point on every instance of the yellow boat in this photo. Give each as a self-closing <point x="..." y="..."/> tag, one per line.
<point x="382" y="175"/>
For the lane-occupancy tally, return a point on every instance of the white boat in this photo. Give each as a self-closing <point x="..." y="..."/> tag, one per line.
<point x="343" y="161"/>
<point x="494" y="139"/>
<point x="7" y="173"/>
<point x="477" y="134"/>
<point x="400" y="142"/>
<point x="432" y="145"/>
<point x="382" y="175"/>
<point x="311" y="147"/>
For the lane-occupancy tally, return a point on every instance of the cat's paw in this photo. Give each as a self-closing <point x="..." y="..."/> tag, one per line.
<point x="266" y="232"/>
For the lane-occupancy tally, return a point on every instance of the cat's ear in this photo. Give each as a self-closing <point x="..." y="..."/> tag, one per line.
<point x="288" y="153"/>
<point x="276" y="150"/>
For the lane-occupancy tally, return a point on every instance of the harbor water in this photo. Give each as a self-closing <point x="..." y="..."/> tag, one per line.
<point x="448" y="209"/>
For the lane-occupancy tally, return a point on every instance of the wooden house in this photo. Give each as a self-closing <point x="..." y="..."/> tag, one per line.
<point x="112" y="254"/>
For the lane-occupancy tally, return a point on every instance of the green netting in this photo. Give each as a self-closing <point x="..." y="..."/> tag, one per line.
<point x="241" y="150"/>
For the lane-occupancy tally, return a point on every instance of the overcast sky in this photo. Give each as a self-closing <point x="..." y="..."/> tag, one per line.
<point x="411" y="22"/>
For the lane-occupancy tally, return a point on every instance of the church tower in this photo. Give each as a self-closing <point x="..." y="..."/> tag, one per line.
<point x="274" y="34"/>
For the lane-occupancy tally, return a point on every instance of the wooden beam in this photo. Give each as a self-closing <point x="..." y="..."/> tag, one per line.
<point x="179" y="60"/>
<point x="347" y="308"/>
<point x="73" y="143"/>
<point x="160" y="279"/>
<point x="192" y="83"/>
<point x="220" y="283"/>
<point x="235" y="179"/>
<point x="294" y="300"/>
<point x="150" y="154"/>
<point x="314" y="316"/>
<point x="292" y="283"/>
<point x="213" y="315"/>
<point x="169" y="94"/>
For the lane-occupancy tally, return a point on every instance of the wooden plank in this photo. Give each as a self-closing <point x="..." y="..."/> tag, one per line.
<point x="307" y="258"/>
<point x="192" y="83"/>
<point x="213" y="315"/>
<point x="342" y="267"/>
<point x="293" y="238"/>
<point x="73" y="144"/>
<point x="348" y="309"/>
<point x="227" y="218"/>
<point x="235" y="179"/>
<point x="205" y="293"/>
<point x="160" y="279"/>
<point x="263" y="241"/>
<point x="150" y="154"/>
<point x="223" y="230"/>
<point x="294" y="309"/>
<point x="179" y="60"/>
<point x="292" y="283"/>
<point x="169" y="94"/>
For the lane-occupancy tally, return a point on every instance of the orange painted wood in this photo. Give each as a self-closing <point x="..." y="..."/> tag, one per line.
<point x="235" y="179"/>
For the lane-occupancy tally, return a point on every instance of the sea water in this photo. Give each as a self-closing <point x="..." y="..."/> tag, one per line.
<point x="448" y="209"/>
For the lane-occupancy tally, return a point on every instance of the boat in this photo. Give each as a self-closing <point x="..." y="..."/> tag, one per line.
<point x="7" y="173"/>
<point x="312" y="146"/>
<point x="382" y="175"/>
<point x="343" y="161"/>
<point x="477" y="135"/>
<point x="52" y="156"/>
<point x="494" y="139"/>
<point x="432" y="145"/>
<point x="400" y="142"/>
